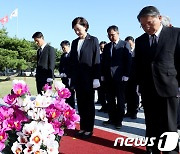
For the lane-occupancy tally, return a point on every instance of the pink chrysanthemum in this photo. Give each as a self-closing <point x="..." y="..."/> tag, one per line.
<point x="64" y="93"/>
<point x="20" y="88"/>
<point x="47" y="87"/>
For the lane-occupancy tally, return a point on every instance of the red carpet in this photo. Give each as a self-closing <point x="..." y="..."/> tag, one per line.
<point x="100" y="143"/>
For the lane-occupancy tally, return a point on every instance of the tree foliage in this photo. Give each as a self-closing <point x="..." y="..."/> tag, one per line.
<point x="18" y="54"/>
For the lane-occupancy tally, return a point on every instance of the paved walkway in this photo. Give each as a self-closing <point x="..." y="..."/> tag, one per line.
<point x="131" y="127"/>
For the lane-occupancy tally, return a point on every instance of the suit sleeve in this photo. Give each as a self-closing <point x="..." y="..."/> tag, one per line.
<point x="96" y="59"/>
<point x="137" y="62"/>
<point x="61" y="64"/>
<point x="52" y="59"/>
<point x="128" y="61"/>
<point x="177" y="58"/>
<point x="73" y="62"/>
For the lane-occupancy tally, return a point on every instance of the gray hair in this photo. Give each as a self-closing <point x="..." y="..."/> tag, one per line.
<point x="166" y="21"/>
<point x="148" y="11"/>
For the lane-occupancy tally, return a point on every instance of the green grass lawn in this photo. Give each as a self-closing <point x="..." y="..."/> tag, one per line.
<point x="5" y="86"/>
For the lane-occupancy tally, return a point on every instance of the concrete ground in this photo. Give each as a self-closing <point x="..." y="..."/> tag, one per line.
<point x="134" y="128"/>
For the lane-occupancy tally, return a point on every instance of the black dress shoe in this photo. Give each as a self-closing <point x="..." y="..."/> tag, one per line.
<point x="118" y="126"/>
<point x="101" y="110"/>
<point x="178" y="127"/>
<point x="134" y="116"/>
<point x="109" y="122"/>
<point x="87" y="135"/>
<point x="80" y="133"/>
<point x="98" y="102"/>
<point x="127" y="115"/>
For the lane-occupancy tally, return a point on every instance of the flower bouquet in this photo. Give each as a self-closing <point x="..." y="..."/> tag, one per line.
<point x="35" y="124"/>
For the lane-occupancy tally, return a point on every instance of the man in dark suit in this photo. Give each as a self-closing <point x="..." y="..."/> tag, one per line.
<point x="157" y="55"/>
<point x="101" y="91"/>
<point x="64" y="70"/>
<point x="166" y="22"/>
<point x="132" y="98"/>
<point x="116" y="63"/>
<point x="45" y="62"/>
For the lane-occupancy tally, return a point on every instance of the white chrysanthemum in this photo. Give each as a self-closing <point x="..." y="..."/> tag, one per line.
<point x="23" y="139"/>
<point x="16" y="148"/>
<point x="42" y="101"/>
<point x="20" y="102"/>
<point x="38" y="101"/>
<point x="18" y="81"/>
<point x="58" y="85"/>
<point x="49" y="138"/>
<point x="36" y="138"/>
<point x="45" y="128"/>
<point x="27" y="101"/>
<point x="29" y="149"/>
<point x="47" y="101"/>
<point x="30" y="128"/>
<point x="37" y="114"/>
<point x="34" y="114"/>
<point x="48" y="93"/>
<point x="52" y="147"/>
<point x="42" y="114"/>
<point x="40" y="151"/>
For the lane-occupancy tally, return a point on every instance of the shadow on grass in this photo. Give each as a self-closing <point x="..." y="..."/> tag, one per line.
<point x="6" y="79"/>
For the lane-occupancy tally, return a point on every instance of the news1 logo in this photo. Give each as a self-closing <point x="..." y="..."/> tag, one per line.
<point x="167" y="142"/>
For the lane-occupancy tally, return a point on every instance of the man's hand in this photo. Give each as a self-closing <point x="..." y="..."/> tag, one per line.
<point x="49" y="80"/>
<point x="63" y="75"/>
<point x="96" y="83"/>
<point x="125" y="78"/>
<point x="178" y="95"/>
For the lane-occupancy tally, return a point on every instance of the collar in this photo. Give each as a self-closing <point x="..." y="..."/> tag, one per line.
<point x="88" y="36"/>
<point x="115" y="42"/>
<point x="42" y="47"/>
<point x="158" y="32"/>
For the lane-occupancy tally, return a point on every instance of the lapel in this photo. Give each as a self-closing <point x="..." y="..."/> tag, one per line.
<point x="119" y="44"/>
<point x="108" y="50"/>
<point x="146" y="41"/>
<point x="160" y="42"/>
<point x="146" y="49"/>
<point x="82" y="51"/>
<point x="44" y="49"/>
<point x="42" y="52"/>
<point x="75" y="49"/>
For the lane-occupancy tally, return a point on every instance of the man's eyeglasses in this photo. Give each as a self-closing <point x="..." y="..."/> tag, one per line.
<point x="111" y="35"/>
<point x="148" y="24"/>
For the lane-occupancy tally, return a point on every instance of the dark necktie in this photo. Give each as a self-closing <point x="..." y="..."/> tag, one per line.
<point x="154" y="41"/>
<point x="113" y="49"/>
<point x="153" y="44"/>
<point x="40" y="51"/>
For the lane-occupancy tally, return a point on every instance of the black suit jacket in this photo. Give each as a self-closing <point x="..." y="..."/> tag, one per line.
<point x="64" y="65"/>
<point x="120" y="64"/>
<point x="87" y="67"/>
<point x="164" y="68"/>
<point x="45" y="63"/>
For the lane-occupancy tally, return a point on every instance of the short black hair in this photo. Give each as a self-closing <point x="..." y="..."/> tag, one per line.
<point x="148" y="11"/>
<point x="37" y="35"/>
<point x="113" y="27"/>
<point x="82" y="21"/>
<point x="102" y="42"/>
<point x="129" y="38"/>
<point x="65" y="42"/>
